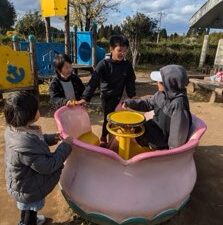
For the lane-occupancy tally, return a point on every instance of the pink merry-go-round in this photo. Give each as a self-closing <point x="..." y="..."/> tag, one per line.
<point x="100" y="186"/>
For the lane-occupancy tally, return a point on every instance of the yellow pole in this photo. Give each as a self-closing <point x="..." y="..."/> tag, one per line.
<point x="124" y="146"/>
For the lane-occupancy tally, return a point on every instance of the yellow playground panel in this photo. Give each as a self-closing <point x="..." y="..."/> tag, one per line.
<point x="54" y="8"/>
<point x="15" y="70"/>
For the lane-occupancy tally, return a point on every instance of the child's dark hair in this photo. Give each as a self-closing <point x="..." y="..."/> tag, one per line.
<point x="20" y="108"/>
<point x="60" y="60"/>
<point x="119" y="40"/>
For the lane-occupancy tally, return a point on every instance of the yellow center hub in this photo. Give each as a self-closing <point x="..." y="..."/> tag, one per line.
<point x="126" y="118"/>
<point x="125" y="125"/>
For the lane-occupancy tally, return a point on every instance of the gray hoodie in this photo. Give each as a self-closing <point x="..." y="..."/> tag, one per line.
<point x="172" y="120"/>
<point x="32" y="171"/>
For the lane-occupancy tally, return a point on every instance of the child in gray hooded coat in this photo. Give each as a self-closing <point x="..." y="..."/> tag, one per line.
<point x="170" y="126"/>
<point x="32" y="171"/>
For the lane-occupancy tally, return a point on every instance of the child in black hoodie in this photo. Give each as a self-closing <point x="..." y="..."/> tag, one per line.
<point x="113" y="74"/>
<point x="171" y="123"/>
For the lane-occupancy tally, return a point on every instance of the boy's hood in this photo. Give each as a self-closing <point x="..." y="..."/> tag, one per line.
<point x="175" y="80"/>
<point x="22" y="141"/>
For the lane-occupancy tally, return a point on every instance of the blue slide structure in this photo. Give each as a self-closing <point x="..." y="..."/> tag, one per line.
<point x="84" y="49"/>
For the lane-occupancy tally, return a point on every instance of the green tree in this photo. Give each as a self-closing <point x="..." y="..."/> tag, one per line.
<point x="136" y="28"/>
<point x="31" y="23"/>
<point x="117" y="30"/>
<point x="84" y="12"/>
<point x="107" y="34"/>
<point x="56" y="34"/>
<point x="163" y="34"/>
<point x="174" y="36"/>
<point x="101" y="32"/>
<point x="110" y="31"/>
<point x="7" y="15"/>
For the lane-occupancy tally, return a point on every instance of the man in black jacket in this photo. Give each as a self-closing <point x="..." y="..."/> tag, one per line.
<point x="171" y="123"/>
<point x="113" y="74"/>
<point x="66" y="87"/>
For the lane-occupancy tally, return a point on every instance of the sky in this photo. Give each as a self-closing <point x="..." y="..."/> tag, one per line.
<point x="176" y="13"/>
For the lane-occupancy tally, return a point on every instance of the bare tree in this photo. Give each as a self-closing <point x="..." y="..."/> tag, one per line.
<point x="83" y="12"/>
<point x="136" y="28"/>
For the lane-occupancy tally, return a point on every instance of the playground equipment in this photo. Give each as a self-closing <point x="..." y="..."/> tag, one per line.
<point x="102" y="187"/>
<point x="125" y="125"/>
<point x="17" y="69"/>
<point x="84" y="48"/>
<point x="45" y="53"/>
<point x="54" y="8"/>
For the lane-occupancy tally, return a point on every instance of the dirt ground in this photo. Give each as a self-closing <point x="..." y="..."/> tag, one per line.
<point x="206" y="205"/>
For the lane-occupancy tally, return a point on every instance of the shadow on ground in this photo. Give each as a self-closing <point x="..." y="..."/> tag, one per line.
<point x="206" y="204"/>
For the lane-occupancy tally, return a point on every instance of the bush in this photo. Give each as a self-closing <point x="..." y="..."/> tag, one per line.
<point x="184" y="54"/>
<point x="5" y="40"/>
<point x="104" y="43"/>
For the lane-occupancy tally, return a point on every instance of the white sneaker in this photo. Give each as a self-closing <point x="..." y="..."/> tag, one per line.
<point x="40" y="219"/>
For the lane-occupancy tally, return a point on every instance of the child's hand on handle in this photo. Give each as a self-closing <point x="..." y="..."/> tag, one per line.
<point x="124" y="106"/>
<point x="81" y="102"/>
<point x="57" y="137"/>
<point x="71" y="103"/>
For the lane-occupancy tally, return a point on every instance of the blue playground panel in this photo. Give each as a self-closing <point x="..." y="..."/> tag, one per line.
<point x="84" y="49"/>
<point x="100" y="53"/>
<point x="45" y="53"/>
